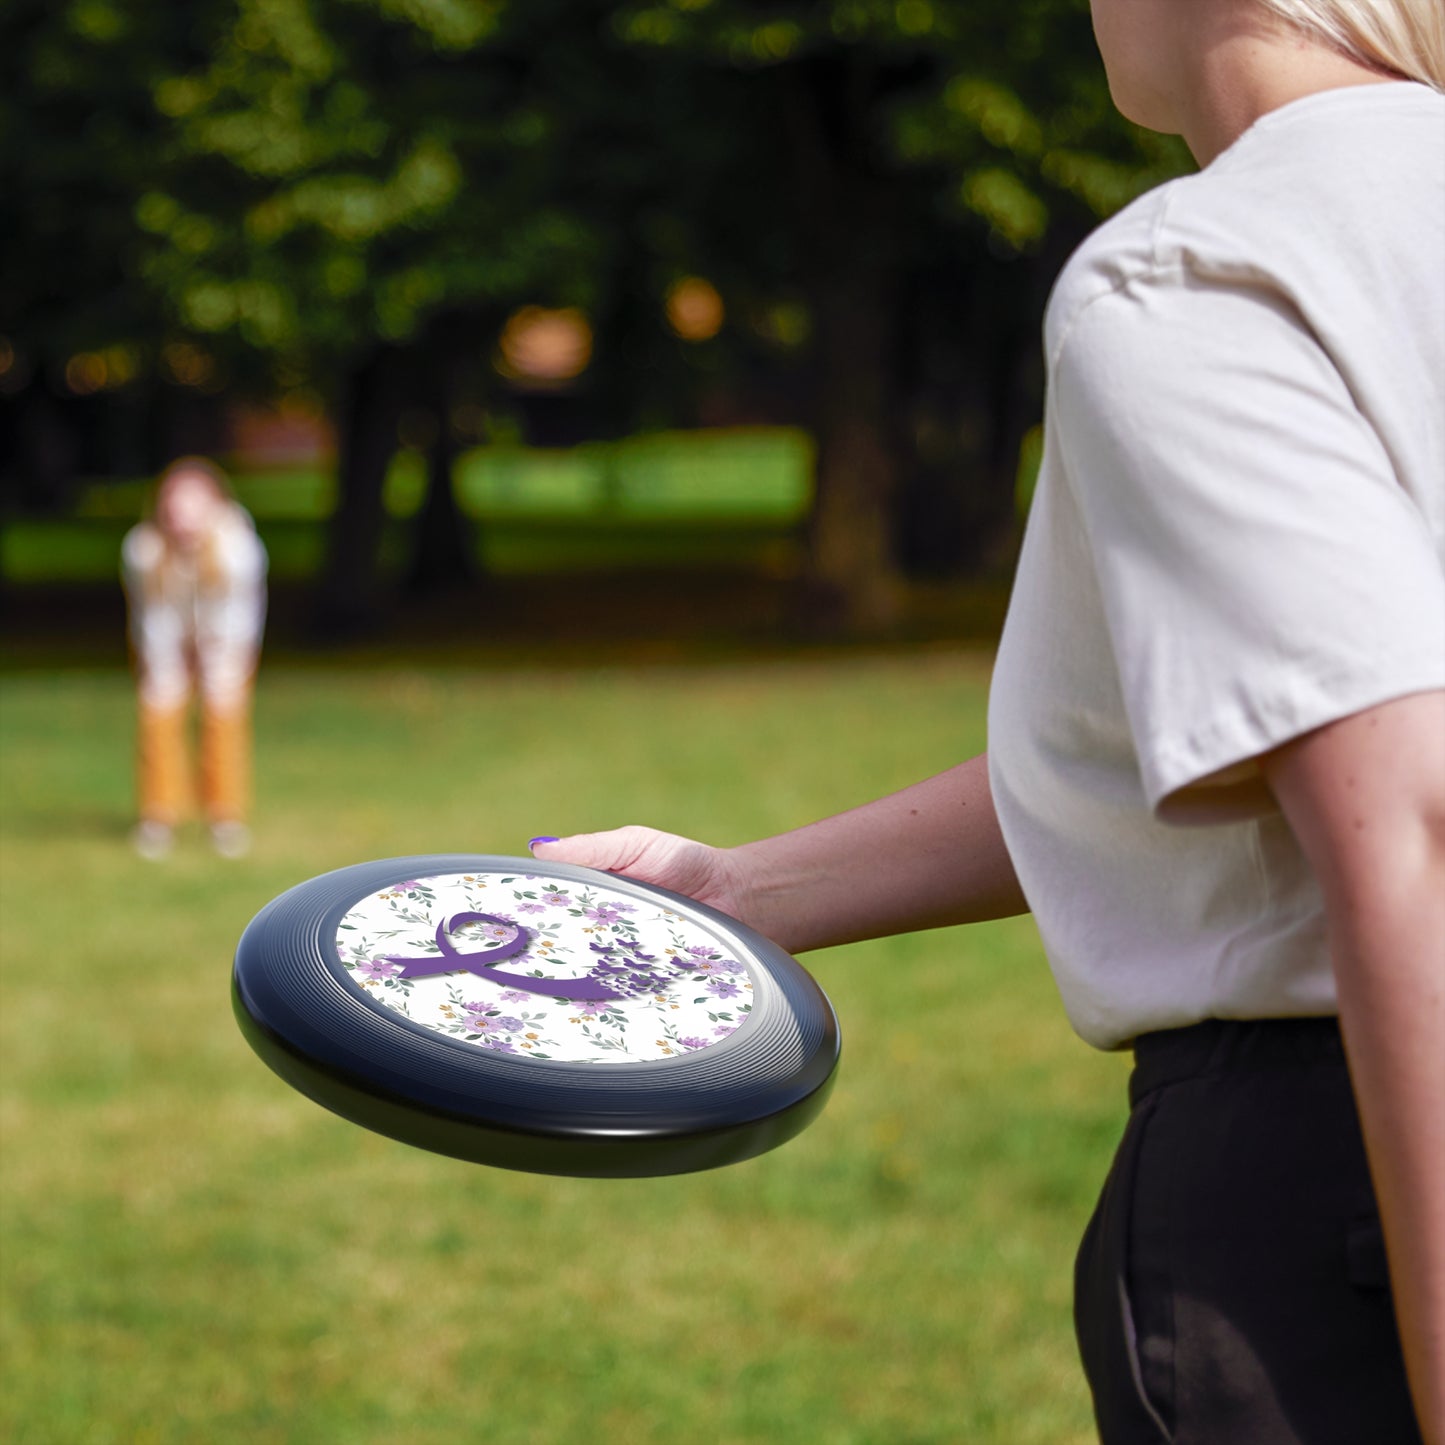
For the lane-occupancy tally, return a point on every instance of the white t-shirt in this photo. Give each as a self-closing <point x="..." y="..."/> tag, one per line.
<point x="194" y="623"/>
<point x="1238" y="536"/>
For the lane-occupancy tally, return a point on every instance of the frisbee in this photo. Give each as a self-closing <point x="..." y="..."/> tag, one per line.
<point x="535" y="1016"/>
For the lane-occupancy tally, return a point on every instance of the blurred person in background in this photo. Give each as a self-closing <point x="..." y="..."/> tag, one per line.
<point x="1216" y="767"/>
<point x="195" y="583"/>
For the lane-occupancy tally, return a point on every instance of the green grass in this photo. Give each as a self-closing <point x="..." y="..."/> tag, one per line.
<point x="677" y="499"/>
<point x="85" y="550"/>
<point x="192" y="1252"/>
<point x="759" y="473"/>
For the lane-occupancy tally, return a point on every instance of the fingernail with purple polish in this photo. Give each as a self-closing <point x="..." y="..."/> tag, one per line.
<point x="533" y="843"/>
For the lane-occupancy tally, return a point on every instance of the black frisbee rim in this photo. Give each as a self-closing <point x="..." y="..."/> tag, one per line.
<point x="310" y="1022"/>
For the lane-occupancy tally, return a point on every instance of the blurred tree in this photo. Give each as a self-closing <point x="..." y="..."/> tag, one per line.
<point x="372" y="187"/>
<point x="79" y="139"/>
<point x="918" y="170"/>
<point x="363" y="190"/>
<point x="355" y="194"/>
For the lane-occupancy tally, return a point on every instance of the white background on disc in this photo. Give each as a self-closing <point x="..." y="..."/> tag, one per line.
<point x="685" y="989"/>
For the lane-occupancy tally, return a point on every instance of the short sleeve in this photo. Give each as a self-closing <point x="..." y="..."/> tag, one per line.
<point x="239" y="552"/>
<point x="140" y="554"/>
<point x="1263" y="571"/>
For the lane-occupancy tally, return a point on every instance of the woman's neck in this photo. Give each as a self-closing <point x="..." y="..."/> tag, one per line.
<point x="1244" y="69"/>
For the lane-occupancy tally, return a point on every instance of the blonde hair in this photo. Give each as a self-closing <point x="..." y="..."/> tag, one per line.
<point x="1404" y="37"/>
<point x="204" y="466"/>
<point x="210" y="572"/>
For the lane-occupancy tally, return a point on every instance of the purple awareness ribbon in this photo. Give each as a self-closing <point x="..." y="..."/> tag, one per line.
<point x="450" y="961"/>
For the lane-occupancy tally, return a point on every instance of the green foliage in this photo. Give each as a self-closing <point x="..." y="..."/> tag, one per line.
<point x="299" y="178"/>
<point x="351" y="196"/>
<point x="368" y="177"/>
<point x="190" y="1251"/>
<point x="1003" y="105"/>
<point x="79" y="140"/>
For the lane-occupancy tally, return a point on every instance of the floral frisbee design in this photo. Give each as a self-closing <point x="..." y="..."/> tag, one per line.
<point x="543" y="968"/>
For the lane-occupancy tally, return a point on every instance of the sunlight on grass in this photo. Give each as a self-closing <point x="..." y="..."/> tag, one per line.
<point x="191" y="1252"/>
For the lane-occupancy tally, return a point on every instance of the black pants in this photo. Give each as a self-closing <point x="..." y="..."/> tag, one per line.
<point x="1231" y="1288"/>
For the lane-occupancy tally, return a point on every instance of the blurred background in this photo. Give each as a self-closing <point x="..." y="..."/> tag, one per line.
<point x="639" y="403"/>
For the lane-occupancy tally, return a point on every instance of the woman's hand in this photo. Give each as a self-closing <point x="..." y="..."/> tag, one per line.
<point x="710" y="875"/>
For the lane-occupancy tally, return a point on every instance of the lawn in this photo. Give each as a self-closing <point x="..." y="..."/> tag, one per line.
<point x="736" y="497"/>
<point x="193" y="1253"/>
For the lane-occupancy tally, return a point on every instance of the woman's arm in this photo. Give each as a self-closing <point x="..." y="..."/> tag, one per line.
<point x="929" y="856"/>
<point x="1366" y="799"/>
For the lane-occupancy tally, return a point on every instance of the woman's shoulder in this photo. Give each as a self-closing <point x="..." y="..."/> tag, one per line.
<point x="1337" y="192"/>
<point x="1194" y="229"/>
<point x="1117" y="253"/>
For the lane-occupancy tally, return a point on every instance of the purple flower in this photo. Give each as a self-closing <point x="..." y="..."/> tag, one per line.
<point x="515" y="995"/>
<point x="603" y="913"/>
<point x="508" y="1024"/>
<point x="693" y="1043"/>
<point x="376" y="969"/>
<point x="702" y="950"/>
<point x="406" y="887"/>
<point x="721" y="988"/>
<point x="530" y="908"/>
<point x="500" y="1045"/>
<point x="500" y="930"/>
<point x="723" y="1030"/>
<point x="556" y="899"/>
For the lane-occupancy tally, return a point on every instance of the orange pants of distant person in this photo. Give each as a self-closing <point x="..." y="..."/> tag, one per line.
<point x="170" y="788"/>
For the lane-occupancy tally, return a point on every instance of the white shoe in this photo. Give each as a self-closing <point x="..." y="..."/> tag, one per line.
<point x="152" y="840"/>
<point x="231" y="839"/>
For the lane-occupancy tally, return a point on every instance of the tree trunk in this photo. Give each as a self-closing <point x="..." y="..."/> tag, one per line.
<point x="974" y="386"/>
<point x="851" y="267"/>
<point x="351" y="600"/>
<point x="47" y="451"/>
<point x="442" y="558"/>
<point x="851" y="552"/>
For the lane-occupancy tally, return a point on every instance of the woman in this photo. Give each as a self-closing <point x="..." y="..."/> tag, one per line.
<point x="1217" y="759"/>
<point x="195" y="583"/>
